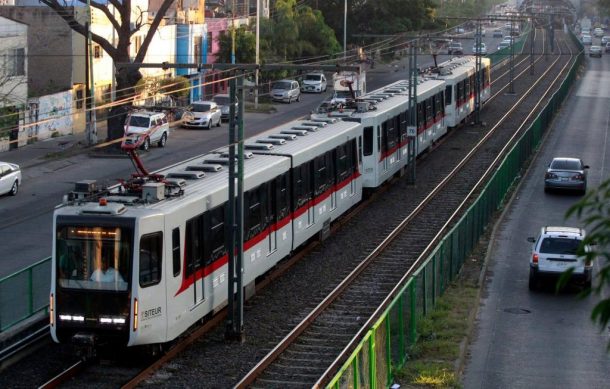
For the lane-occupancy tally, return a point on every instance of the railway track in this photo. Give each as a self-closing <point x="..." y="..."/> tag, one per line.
<point x="222" y="369"/>
<point x="307" y="355"/>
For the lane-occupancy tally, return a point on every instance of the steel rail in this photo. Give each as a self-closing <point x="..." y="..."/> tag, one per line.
<point x="300" y="328"/>
<point x="64" y="375"/>
<point x="10" y="354"/>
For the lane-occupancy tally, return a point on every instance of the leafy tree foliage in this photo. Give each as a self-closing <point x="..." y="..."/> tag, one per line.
<point x="594" y="211"/>
<point x="245" y="46"/>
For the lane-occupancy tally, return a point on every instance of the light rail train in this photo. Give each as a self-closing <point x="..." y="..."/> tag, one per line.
<point x="139" y="263"/>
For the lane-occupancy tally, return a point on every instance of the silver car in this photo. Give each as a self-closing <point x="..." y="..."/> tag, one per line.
<point x="286" y="90"/>
<point x="10" y="178"/>
<point x="566" y="173"/>
<point x="202" y="114"/>
<point x="224" y="103"/>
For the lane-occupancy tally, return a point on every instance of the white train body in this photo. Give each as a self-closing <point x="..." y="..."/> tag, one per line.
<point x="384" y="118"/>
<point x="458" y="74"/>
<point x="160" y="245"/>
<point x="169" y="249"/>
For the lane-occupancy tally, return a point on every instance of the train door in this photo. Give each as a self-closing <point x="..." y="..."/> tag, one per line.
<point x="194" y="261"/>
<point x="151" y="302"/>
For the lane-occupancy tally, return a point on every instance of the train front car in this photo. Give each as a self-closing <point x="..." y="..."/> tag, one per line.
<point x="91" y="275"/>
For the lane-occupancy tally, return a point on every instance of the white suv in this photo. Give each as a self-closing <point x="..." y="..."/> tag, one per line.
<point x="144" y="128"/>
<point x="555" y="250"/>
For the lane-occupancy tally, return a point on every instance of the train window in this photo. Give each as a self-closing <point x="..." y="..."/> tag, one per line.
<point x="403" y="126"/>
<point x="448" y="94"/>
<point x="253" y="213"/>
<point x="215" y="234"/>
<point x="368" y="141"/>
<point x="354" y="159"/>
<point x="359" y="148"/>
<point x="341" y="162"/>
<point x="378" y="139"/>
<point x="320" y="175"/>
<point x="384" y="136"/>
<point x="421" y="117"/>
<point x="176" y="251"/>
<point x="390" y="134"/>
<point x="282" y="196"/>
<point x="302" y="184"/>
<point x="194" y="245"/>
<point x="82" y="250"/>
<point x="151" y="251"/>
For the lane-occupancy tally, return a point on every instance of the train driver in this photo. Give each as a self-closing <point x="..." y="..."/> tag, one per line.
<point x="106" y="273"/>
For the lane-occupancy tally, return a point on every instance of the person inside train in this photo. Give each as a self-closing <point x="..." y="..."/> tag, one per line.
<point x="105" y="273"/>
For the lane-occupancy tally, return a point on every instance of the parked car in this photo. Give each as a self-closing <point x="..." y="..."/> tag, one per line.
<point x="146" y="128"/>
<point x="595" y="51"/>
<point x="314" y="82"/>
<point x="202" y="114"/>
<point x="605" y="39"/>
<point x="509" y="39"/>
<point x="483" y="32"/>
<point x="481" y="49"/>
<point x="566" y="173"/>
<point x="498" y="33"/>
<point x="460" y="30"/>
<point x="555" y="250"/>
<point x="10" y="178"/>
<point x="224" y="103"/>
<point x="503" y="45"/>
<point x="586" y="40"/>
<point x="455" y="48"/>
<point x="607" y="47"/>
<point x="286" y="90"/>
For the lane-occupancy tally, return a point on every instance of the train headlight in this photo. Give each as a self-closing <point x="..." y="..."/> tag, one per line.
<point x="78" y="318"/>
<point x="51" y="310"/>
<point x="112" y="320"/>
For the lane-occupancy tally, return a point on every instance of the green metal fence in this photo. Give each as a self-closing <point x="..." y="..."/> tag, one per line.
<point x="25" y="293"/>
<point x="387" y="344"/>
<point x="504" y="54"/>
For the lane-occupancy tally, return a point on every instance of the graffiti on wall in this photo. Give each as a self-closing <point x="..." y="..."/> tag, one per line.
<point x="50" y="115"/>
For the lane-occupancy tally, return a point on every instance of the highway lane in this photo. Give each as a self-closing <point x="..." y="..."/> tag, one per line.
<point x="529" y="339"/>
<point x="25" y="230"/>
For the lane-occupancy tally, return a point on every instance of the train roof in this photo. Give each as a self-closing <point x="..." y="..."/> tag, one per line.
<point x="200" y="179"/>
<point x="456" y="67"/>
<point x="301" y="139"/>
<point x="382" y="100"/>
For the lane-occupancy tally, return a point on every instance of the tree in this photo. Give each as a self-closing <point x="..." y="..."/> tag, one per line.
<point x="315" y="36"/>
<point x="245" y="46"/>
<point x="594" y="211"/>
<point x="121" y="15"/>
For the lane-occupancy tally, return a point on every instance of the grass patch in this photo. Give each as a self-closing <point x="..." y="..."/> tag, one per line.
<point x="432" y="361"/>
<point x="263" y="107"/>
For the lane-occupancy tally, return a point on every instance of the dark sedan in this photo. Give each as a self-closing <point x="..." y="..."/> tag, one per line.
<point x="567" y="174"/>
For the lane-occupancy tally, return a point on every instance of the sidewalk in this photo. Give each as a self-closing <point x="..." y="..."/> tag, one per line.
<point x="43" y="151"/>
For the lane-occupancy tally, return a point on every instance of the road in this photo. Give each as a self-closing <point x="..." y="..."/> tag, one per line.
<point x="538" y="339"/>
<point x="27" y="218"/>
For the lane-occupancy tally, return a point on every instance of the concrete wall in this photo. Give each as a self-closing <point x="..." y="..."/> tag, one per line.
<point x="49" y="47"/>
<point x="49" y="115"/>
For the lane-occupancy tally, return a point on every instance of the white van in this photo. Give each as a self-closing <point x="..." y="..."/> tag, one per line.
<point x="145" y="127"/>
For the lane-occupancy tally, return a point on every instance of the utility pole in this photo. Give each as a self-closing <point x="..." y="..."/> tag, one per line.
<point x="345" y="30"/>
<point x="90" y="106"/>
<point x="258" y="23"/>
<point x="478" y="68"/>
<point x="511" y="88"/>
<point x="412" y="124"/>
<point x="532" y="33"/>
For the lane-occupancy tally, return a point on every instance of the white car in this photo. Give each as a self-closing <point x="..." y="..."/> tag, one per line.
<point x="598" y="32"/>
<point x="481" y="49"/>
<point x="145" y="128"/>
<point x="555" y="250"/>
<point x="314" y="82"/>
<point x="605" y="39"/>
<point x="586" y="40"/>
<point x="202" y="114"/>
<point x="10" y="178"/>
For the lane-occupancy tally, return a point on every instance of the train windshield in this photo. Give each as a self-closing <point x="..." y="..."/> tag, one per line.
<point x="95" y="258"/>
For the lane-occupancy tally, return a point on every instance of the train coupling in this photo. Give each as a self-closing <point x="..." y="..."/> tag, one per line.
<point x="85" y="344"/>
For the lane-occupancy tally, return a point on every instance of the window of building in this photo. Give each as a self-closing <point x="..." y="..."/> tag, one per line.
<point x="79" y="99"/>
<point x="14" y="62"/>
<point x="210" y="41"/>
<point x="97" y="51"/>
